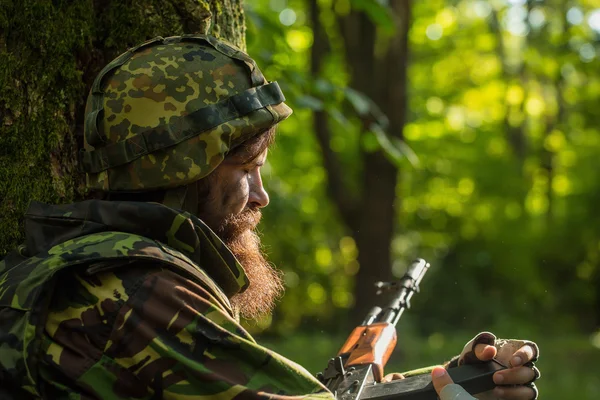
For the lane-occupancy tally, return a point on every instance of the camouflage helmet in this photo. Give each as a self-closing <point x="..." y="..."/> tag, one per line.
<point x="165" y="113"/>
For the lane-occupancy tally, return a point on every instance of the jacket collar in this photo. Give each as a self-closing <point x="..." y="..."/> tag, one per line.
<point x="49" y="225"/>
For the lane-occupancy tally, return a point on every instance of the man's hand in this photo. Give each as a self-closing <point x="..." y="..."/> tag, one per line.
<point x="514" y="383"/>
<point x="446" y="388"/>
<point x="517" y="374"/>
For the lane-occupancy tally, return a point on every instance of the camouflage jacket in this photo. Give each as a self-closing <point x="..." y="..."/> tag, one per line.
<point x="120" y="300"/>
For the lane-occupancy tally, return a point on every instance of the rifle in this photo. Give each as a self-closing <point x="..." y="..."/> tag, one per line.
<point x="356" y="372"/>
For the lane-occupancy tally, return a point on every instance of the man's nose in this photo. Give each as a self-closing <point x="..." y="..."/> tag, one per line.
<point x="258" y="195"/>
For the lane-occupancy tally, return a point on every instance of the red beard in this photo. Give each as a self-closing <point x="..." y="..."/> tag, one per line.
<point x="266" y="283"/>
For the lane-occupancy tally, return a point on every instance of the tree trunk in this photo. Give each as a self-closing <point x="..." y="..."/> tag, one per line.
<point x="371" y="216"/>
<point x="50" y="53"/>
<point x="385" y="82"/>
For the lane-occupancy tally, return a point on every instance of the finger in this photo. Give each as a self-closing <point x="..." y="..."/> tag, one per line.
<point x="521" y="356"/>
<point x="440" y="379"/>
<point x="485" y="352"/>
<point x="515" y="393"/>
<point x="445" y="388"/>
<point x="514" y="376"/>
<point x="392" y="377"/>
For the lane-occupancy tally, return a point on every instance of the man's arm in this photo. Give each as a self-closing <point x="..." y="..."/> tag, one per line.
<point x="141" y="331"/>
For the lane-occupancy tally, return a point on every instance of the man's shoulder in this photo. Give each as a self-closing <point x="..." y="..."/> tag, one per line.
<point x="104" y="254"/>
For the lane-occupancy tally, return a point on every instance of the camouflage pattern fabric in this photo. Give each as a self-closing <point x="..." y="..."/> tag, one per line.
<point x="165" y="113"/>
<point x="92" y="309"/>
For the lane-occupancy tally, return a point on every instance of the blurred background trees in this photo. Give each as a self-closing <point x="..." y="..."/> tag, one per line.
<point x="459" y="131"/>
<point x="465" y="132"/>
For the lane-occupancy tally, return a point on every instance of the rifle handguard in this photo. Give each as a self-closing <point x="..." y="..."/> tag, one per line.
<point x="371" y="344"/>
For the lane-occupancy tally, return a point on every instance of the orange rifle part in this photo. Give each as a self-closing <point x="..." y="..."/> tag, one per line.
<point x="370" y="344"/>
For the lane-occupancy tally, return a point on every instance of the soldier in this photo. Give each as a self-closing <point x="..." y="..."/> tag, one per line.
<point x="137" y="293"/>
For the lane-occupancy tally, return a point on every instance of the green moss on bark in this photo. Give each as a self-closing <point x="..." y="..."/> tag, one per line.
<point x="50" y="52"/>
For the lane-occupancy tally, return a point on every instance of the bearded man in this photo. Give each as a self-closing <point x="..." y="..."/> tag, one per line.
<point x="137" y="293"/>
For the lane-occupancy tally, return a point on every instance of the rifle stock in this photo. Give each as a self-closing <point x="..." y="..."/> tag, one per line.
<point x="357" y="370"/>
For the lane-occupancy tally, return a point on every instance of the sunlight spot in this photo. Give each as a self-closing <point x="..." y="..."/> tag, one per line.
<point x="537" y="18"/>
<point x="435" y="105"/>
<point x="483" y="213"/>
<point x="567" y="158"/>
<point x="482" y="9"/>
<point x="434" y="31"/>
<point x="446" y="18"/>
<point x="515" y="95"/>
<point x="455" y="118"/>
<point x="435" y="129"/>
<point x="535" y="106"/>
<point x="587" y="52"/>
<point x="413" y="132"/>
<point x="299" y="40"/>
<point x="466" y="186"/>
<point x="555" y="141"/>
<point x="342" y="298"/>
<point x="454" y="208"/>
<point x="309" y="205"/>
<point x="536" y="203"/>
<point x="575" y="16"/>
<point x="316" y="293"/>
<point x="516" y="13"/>
<point x="287" y="17"/>
<point x="561" y="185"/>
<point x="323" y="256"/>
<point x="348" y="248"/>
<point x="517" y="28"/>
<point x="594" y="20"/>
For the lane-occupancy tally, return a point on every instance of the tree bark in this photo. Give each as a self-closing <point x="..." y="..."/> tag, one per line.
<point x="50" y="53"/>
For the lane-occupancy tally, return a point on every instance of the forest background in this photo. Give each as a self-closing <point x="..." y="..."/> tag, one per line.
<point x="464" y="132"/>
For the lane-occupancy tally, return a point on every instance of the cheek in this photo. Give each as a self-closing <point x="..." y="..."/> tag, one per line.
<point x="238" y="196"/>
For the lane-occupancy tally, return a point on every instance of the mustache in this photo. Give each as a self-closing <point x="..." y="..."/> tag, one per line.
<point x="234" y="225"/>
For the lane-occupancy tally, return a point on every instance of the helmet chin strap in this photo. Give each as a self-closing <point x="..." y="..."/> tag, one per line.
<point x="183" y="198"/>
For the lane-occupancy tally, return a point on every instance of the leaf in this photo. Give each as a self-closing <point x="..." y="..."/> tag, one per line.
<point x="364" y="106"/>
<point x="359" y="101"/>
<point x="309" y="102"/>
<point x="396" y="150"/>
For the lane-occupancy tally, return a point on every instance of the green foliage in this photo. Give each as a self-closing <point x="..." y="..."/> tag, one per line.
<point x="498" y="182"/>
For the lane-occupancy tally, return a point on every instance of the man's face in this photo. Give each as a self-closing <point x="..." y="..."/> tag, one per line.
<point x="236" y="185"/>
<point x="232" y="209"/>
